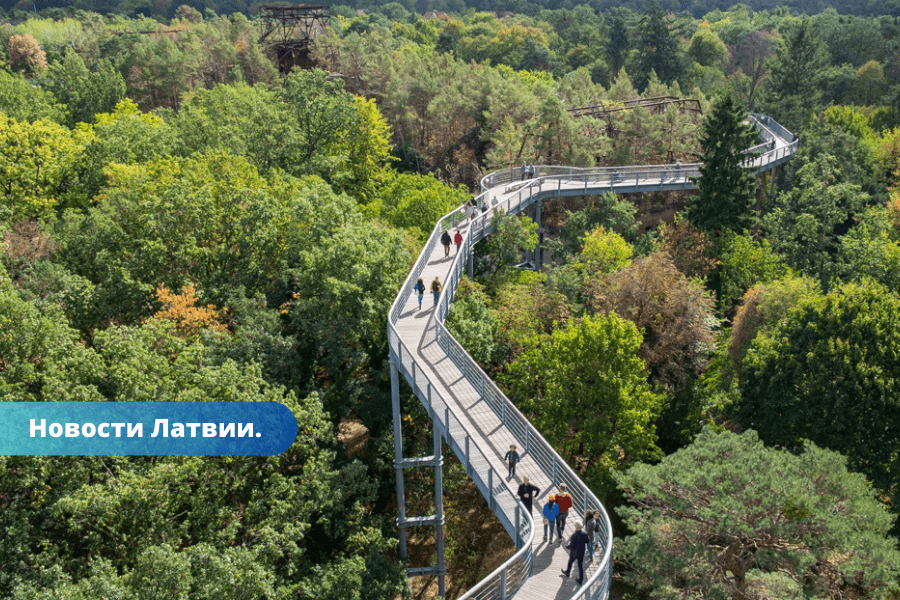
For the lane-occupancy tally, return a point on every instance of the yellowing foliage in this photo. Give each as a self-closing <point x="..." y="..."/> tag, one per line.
<point x="182" y="310"/>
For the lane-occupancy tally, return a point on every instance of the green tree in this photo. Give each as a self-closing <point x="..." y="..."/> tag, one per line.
<point x="726" y="186"/>
<point x="243" y="120"/>
<point x="127" y="136"/>
<point x="319" y="113"/>
<point x="659" y="51"/>
<point x="871" y="251"/>
<point x="605" y="251"/>
<point x="40" y="168"/>
<point x="472" y="324"/>
<point x="415" y="202"/>
<point x="503" y="249"/>
<point x="727" y="517"/>
<point x="84" y="93"/>
<point x="829" y="372"/>
<point x="587" y="390"/>
<point x="23" y="101"/>
<point x="607" y="210"/>
<point x="744" y="262"/>
<point x="43" y="359"/>
<point x="763" y="306"/>
<point x="707" y="48"/>
<point x="794" y="89"/>
<point x="806" y="222"/>
<point x="617" y="46"/>
<point x="210" y="220"/>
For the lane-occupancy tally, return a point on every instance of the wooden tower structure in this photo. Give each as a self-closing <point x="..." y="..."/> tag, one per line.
<point x="288" y="30"/>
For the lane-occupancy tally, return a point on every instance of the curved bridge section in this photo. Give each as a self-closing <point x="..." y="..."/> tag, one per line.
<point x="474" y="417"/>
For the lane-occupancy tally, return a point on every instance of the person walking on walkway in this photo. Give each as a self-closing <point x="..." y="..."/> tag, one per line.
<point x="564" y="499"/>
<point x="457" y="239"/>
<point x="590" y="526"/>
<point x="550" y="511"/>
<point x="420" y="288"/>
<point x="527" y="492"/>
<point x="445" y="240"/>
<point x="436" y="288"/>
<point x="512" y="457"/>
<point x="577" y="544"/>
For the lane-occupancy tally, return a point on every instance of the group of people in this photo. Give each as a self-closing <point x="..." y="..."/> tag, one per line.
<point x="555" y="513"/>
<point x="436" y="288"/>
<point x="446" y="241"/>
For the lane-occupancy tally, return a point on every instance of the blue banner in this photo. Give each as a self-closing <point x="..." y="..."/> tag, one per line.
<point x="145" y="428"/>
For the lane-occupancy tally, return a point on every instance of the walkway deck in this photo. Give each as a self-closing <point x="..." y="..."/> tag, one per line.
<point x="416" y="329"/>
<point x="474" y="417"/>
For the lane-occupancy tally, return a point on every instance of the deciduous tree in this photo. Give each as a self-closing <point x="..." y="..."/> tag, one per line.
<point x="829" y="372"/>
<point x="587" y="391"/>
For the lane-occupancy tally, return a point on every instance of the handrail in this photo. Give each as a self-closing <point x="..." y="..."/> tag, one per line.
<point x="545" y="181"/>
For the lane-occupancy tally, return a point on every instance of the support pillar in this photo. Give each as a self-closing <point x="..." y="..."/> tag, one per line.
<point x="471" y="262"/>
<point x="400" y="463"/>
<point x="537" y="249"/>
<point x="398" y="458"/>
<point x="773" y="172"/>
<point x="439" y="507"/>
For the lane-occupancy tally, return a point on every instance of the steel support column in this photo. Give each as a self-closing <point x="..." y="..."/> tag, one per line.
<point x="439" y="507"/>
<point x="537" y="249"/>
<point x="398" y="458"/>
<point x="400" y="463"/>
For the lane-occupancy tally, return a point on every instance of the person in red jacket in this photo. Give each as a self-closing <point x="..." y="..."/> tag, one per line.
<point x="564" y="500"/>
<point x="457" y="240"/>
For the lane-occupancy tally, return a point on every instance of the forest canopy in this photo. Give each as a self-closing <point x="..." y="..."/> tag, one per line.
<point x="180" y="220"/>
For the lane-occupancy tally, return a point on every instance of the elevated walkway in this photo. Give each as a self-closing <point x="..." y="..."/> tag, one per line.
<point x="475" y="418"/>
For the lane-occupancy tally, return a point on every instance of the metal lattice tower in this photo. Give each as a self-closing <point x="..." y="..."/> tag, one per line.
<point x="288" y="31"/>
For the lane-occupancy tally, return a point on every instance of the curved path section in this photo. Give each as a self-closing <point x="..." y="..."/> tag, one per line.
<point x="475" y="418"/>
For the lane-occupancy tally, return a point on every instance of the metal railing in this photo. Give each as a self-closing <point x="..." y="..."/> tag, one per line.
<point x="777" y="145"/>
<point x="546" y="181"/>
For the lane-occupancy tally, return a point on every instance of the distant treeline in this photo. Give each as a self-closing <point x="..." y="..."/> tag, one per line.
<point x="164" y="10"/>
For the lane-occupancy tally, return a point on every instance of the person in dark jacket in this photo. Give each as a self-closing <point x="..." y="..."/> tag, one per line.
<point x="445" y="240"/>
<point x="550" y="511"/>
<point x="527" y="492"/>
<point x="420" y="288"/>
<point x="577" y="544"/>
<point x="590" y="526"/>
<point x="511" y="457"/>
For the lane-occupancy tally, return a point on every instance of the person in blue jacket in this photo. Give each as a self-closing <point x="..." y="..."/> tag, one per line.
<point x="577" y="545"/>
<point x="550" y="511"/>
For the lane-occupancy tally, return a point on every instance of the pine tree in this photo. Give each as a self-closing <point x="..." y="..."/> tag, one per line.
<point x="794" y="91"/>
<point x="659" y="51"/>
<point x="617" y="47"/>
<point x="726" y="186"/>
